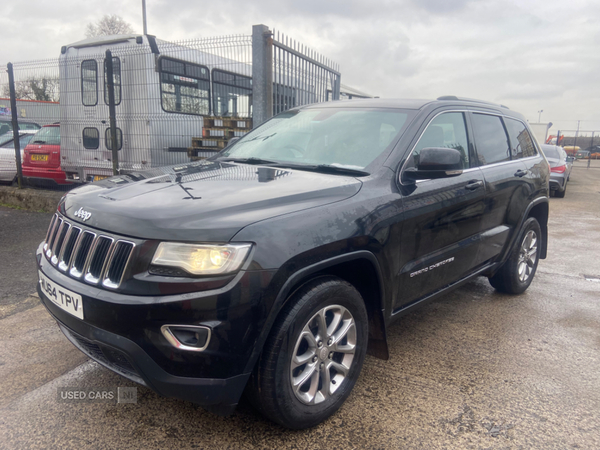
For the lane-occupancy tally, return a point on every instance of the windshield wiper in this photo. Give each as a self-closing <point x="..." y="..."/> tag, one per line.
<point x="323" y="168"/>
<point x="251" y="160"/>
<point x="326" y="168"/>
<point x="39" y="142"/>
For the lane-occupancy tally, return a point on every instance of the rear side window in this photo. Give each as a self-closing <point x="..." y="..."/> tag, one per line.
<point x="490" y="139"/>
<point x="89" y="82"/>
<point x="91" y="138"/>
<point x="521" y="144"/>
<point x="107" y="137"/>
<point x="446" y="130"/>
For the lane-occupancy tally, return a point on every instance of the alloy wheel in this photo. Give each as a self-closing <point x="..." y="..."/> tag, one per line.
<point x="527" y="256"/>
<point x="323" y="354"/>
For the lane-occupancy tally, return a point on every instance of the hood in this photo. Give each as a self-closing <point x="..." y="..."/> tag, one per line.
<point x="202" y="202"/>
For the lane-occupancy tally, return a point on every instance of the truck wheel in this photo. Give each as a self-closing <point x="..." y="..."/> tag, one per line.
<point x="313" y="355"/>
<point x="515" y="276"/>
<point x="561" y="194"/>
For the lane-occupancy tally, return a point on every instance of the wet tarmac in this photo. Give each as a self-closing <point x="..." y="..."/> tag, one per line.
<point x="475" y="370"/>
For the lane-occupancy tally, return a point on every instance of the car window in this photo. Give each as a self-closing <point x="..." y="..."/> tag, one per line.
<point x="28" y="126"/>
<point x="491" y="140"/>
<point x="521" y="143"/>
<point x="47" y="135"/>
<point x="7" y="141"/>
<point x="446" y="130"/>
<point x="25" y="140"/>
<point x="350" y="138"/>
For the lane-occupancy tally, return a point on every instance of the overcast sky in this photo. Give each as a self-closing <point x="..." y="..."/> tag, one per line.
<point x="530" y="55"/>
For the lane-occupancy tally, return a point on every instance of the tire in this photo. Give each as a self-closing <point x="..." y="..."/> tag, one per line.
<point x="561" y="194"/>
<point x="296" y="350"/>
<point x="516" y="274"/>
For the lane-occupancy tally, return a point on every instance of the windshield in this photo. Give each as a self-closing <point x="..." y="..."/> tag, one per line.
<point x="6" y="138"/>
<point x="47" y="135"/>
<point x="348" y="138"/>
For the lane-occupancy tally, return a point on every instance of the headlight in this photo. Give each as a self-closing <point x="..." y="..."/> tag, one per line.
<point x="200" y="259"/>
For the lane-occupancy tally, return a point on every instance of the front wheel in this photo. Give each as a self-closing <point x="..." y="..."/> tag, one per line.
<point x="517" y="273"/>
<point x="313" y="355"/>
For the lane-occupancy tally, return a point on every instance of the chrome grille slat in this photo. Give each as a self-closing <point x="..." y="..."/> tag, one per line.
<point x="119" y="260"/>
<point x="59" y="240"/>
<point x="80" y="260"/>
<point x="50" y="227"/>
<point x="71" y="239"/>
<point x="86" y="255"/>
<point x="54" y="232"/>
<point x="98" y="259"/>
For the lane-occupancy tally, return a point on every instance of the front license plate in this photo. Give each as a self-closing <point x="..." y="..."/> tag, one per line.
<point x="39" y="157"/>
<point x="100" y="177"/>
<point x="61" y="297"/>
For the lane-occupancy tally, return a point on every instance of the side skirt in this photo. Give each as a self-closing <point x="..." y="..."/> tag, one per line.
<point x="396" y="314"/>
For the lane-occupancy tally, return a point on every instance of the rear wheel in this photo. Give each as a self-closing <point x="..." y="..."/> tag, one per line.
<point x="313" y="355"/>
<point x="517" y="273"/>
<point x="561" y="194"/>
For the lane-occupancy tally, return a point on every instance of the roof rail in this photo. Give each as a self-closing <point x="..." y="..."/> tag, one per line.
<point x="463" y="99"/>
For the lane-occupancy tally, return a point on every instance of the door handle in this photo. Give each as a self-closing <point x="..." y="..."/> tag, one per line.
<point x="520" y="173"/>
<point x="474" y="184"/>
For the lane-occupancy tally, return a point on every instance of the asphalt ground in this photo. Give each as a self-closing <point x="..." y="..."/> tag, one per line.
<point x="475" y="370"/>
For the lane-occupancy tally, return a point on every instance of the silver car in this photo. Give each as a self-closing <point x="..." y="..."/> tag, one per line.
<point x="560" y="169"/>
<point x="8" y="162"/>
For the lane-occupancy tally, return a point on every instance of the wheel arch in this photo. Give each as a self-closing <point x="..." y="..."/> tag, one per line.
<point x="360" y="269"/>
<point x="540" y="210"/>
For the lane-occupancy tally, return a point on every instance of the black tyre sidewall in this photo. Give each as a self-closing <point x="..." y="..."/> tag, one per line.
<point x="291" y="412"/>
<point x="507" y="278"/>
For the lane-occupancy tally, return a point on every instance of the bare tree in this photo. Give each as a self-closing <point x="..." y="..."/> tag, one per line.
<point x="108" y="25"/>
<point x="35" y="88"/>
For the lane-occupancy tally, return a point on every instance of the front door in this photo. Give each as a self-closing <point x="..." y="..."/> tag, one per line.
<point x="440" y="232"/>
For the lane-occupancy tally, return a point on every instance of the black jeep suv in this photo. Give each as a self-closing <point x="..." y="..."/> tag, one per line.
<point x="276" y="265"/>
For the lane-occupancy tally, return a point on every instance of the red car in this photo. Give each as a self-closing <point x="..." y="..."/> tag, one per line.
<point x="41" y="158"/>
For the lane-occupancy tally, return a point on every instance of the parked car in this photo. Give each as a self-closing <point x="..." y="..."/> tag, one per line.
<point x="571" y="149"/>
<point x="8" y="161"/>
<point x="560" y="169"/>
<point x="41" y="161"/>
<point x="275" y="265"/>
<point x="582" y="154"/>
<point x="6" y="125"/>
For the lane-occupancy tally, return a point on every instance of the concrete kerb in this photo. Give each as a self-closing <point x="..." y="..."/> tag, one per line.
<point x="30" y="199"/>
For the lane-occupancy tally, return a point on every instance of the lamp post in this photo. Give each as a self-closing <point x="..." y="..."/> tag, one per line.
<point x="144" y="17"/>
<point x="540" y="115"/>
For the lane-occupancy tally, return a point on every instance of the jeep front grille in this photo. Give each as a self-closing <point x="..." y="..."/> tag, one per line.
<point x="84" y="254"/>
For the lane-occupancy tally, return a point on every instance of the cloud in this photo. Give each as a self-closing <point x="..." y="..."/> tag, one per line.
<point x="533" y="54"/>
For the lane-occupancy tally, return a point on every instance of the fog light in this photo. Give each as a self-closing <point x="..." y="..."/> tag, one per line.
<point x="187" y="337"/>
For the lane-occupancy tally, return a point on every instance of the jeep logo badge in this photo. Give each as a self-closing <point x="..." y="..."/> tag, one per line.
<point x="82" y="214"/>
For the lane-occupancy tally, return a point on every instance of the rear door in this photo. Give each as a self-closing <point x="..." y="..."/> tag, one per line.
<point x="506" y="179"/>
<point x="443" y="217"/>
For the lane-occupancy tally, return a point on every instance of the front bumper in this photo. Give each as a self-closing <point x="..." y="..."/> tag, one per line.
<point x="123" y="334"/>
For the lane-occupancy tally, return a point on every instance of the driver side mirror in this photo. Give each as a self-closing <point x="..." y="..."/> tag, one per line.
<point x="436" y="162"/>
<point x="570" y="159"/>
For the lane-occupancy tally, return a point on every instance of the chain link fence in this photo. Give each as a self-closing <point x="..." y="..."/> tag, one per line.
<point x="168" y="103"/>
